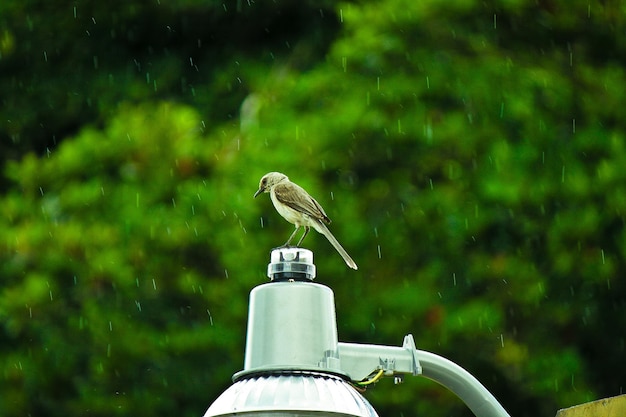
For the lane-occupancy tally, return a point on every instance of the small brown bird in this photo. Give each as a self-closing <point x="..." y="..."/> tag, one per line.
<point x="299" y="208"/>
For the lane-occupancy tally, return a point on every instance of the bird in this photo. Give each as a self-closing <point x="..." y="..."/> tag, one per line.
<point x="299" y="208"/>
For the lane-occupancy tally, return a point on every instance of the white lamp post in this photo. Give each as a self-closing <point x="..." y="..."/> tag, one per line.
<point x="295" y="366"/>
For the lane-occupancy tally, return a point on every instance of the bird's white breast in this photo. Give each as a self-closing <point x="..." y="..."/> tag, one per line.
<point x="291" y="215"/>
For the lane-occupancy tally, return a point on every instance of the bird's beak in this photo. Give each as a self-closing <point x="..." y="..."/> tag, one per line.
<point x="259" y="191"/>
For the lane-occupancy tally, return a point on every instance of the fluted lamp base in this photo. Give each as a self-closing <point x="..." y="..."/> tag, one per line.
<point x="298" y="394"/>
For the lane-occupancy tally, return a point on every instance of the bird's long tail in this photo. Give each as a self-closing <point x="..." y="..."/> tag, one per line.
<point x="321" y="227"/>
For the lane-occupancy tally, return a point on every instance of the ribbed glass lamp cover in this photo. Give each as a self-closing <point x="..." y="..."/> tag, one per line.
<point x="298" y="394"/>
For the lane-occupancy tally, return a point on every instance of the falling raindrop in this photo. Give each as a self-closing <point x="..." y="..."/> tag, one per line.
<point x="602" y="253"/>
<point x="379" y="253"/>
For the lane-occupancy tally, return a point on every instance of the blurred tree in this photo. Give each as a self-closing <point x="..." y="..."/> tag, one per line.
<point x="113" y="286"/>
<point x="64" y="67"/>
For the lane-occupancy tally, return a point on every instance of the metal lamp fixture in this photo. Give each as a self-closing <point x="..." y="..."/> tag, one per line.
<point x="295" y="366"/>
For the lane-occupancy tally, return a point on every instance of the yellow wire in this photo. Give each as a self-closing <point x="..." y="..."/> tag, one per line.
<point x="373" y="380"/>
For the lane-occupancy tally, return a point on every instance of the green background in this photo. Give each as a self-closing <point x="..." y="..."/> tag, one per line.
<point x="471" y="154"/>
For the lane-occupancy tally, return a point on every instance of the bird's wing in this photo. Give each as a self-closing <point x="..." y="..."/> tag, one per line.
<point x="298" y="199"/>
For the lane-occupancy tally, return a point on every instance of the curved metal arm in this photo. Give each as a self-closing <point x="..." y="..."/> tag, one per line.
<point x="462" y="383"/>
<point x="358" y="361"/>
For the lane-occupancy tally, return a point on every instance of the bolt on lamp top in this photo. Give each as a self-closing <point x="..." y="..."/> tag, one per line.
<point x="291" y="263"/>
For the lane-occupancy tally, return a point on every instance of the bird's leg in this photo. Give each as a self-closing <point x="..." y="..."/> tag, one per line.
<point x="306" y="231"/>
<point x="286" y="245"/>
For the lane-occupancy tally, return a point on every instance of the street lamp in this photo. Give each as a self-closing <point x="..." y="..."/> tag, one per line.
<point x="295" y="366"/>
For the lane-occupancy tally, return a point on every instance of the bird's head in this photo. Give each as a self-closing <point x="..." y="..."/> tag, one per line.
<point x="268" y="181"/>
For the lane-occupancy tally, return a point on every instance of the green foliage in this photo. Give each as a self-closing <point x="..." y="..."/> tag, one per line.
<point x="470" y="154"/>
<point x="61" y="65"/>
<point x="109" y="272"/>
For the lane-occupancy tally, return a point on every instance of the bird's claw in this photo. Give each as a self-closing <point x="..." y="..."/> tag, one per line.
<point x="285" y="246"/>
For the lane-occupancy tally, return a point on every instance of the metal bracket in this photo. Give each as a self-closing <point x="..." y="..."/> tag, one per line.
<point x="359" y="360"/>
